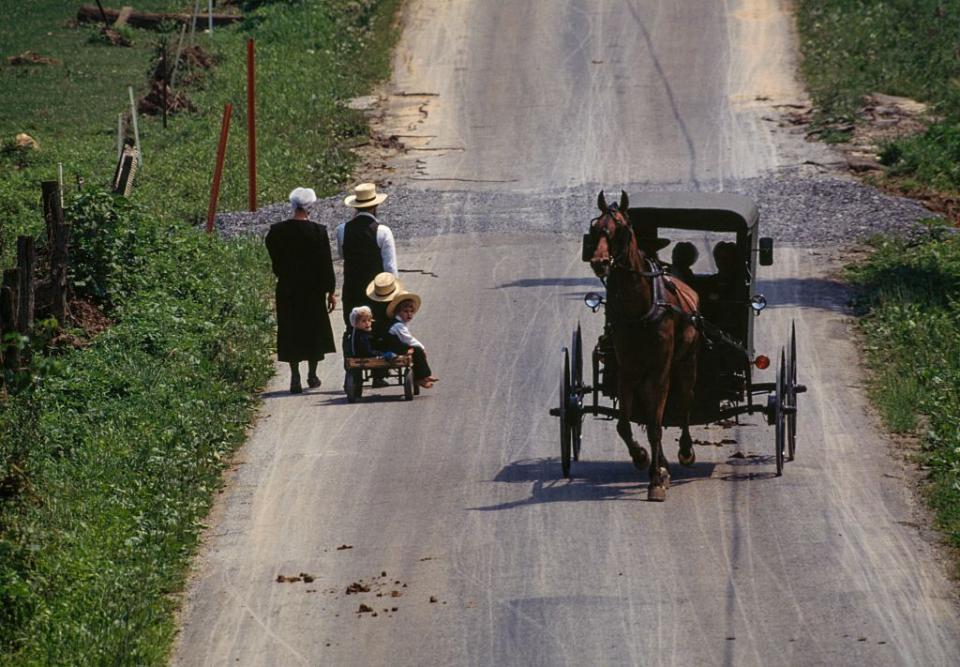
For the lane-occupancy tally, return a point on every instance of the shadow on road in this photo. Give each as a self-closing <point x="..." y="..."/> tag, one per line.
<point x="590" y="480"/>
<point x="821" y="293"/>
<point x="586" y="281"/>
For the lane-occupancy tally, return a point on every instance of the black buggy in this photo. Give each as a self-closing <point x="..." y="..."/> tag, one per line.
<point x="725" y="388"/>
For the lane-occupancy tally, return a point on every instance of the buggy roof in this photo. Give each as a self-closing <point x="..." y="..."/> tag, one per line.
<point x="709" y="211"/>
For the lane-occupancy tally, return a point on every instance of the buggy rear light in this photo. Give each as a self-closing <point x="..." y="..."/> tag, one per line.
<point x="762" y="361"/>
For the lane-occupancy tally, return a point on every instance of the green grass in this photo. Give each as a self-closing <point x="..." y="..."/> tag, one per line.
<point x="110" y="454"/>
<point x="69" y="108"/>
<point x="911" y="296"/>
<point x="311" y="56"/>
<point x="899" y="47"/>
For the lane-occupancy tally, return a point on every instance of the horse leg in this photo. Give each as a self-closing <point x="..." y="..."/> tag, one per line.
<point x="684" y="381"/>
<point x="659" y="473"/>
<point x="656" y="394"/>
<point x="637" y="451"/>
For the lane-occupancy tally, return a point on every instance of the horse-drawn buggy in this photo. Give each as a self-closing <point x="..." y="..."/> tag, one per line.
<point x="677" y="346"/>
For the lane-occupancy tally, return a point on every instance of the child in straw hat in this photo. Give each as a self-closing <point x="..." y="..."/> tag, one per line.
<point x="402" y="308"/>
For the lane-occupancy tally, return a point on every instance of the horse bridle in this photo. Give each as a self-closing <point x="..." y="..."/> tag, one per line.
<point x="619" y="262"/>
<point x="658" y="305"/>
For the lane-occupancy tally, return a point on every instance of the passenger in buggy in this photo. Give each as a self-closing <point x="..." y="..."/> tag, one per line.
<point x="722" y="293"/>
<point x="682" y="260"/>
<point x="399" y="339"/>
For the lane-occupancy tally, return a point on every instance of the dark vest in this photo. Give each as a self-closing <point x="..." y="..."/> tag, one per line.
<point x="361" y="257"/>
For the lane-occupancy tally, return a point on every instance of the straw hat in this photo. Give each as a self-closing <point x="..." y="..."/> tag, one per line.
<point x="383" y="287"/>
<point x="364" y="196"/>
<point x="400" y="298"/>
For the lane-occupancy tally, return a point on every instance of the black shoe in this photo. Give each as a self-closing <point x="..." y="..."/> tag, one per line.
<point x="295" y="387"/>
<point x="379" y="383"/>
<point x="313" y="382"/>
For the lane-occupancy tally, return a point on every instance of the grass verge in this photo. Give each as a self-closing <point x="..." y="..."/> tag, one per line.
<point x="911" y="294"/>
<point x="110" y="453"/>
<point x="911" y="290"/>
<point x="909" y="48"/>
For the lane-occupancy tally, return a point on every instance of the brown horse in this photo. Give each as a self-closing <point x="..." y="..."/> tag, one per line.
<point x="655" y="337"/>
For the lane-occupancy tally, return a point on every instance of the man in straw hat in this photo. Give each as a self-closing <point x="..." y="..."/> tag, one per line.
<point x="366" y="247"/>
<point x="300" y="253"/>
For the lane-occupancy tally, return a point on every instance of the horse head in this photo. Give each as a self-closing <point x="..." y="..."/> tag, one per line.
<point x="610" y="234"/>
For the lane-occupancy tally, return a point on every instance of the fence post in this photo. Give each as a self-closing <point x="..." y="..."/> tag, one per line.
<point x="218" y="169"/>
<point x="58" y="235"/>
<point x="26" y="257"/>
<point x="251" y="129"/>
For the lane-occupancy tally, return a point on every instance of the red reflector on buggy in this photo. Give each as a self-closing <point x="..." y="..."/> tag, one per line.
<point x="761" y="362"/>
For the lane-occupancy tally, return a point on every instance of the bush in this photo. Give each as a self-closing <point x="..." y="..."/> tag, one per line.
<point x="109" y="247"/>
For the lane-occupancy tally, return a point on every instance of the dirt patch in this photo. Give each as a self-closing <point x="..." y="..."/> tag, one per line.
<point x="31" y="58"/>
<point x="152" y="103"/>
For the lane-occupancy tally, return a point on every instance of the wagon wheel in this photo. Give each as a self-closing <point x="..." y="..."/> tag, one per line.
<point x="408" y="384"/>
<point x="351" y="387"/>
<point x="792" y="393"/>
<point x="575" y="410"/>
<point x="565" y="429"/>
<point x="779" y="423"/>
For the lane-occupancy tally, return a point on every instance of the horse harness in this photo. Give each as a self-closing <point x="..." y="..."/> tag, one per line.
<point x="659" y="281"/>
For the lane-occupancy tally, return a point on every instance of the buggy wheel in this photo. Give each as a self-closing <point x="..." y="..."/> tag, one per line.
<point x="565" y="429"/>
<point x="779" y="423"/>
<point x="792" y="393"/>
<point x="595" y="358"/>
<point x="576" y="398"/>
<point x="408" y="390"/>
<point x="350" y="387"/>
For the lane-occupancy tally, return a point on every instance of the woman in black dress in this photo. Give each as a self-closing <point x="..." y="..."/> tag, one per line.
<point x="300" y="253"/>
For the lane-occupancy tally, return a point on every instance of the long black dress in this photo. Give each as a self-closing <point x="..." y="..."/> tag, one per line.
<point x="300" y="253"/>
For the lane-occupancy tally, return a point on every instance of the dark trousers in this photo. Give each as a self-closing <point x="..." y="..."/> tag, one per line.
<point x="421" y="369"/>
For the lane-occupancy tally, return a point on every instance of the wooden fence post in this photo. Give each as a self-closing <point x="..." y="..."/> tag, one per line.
<point x="251" y="129"/>
<point x="218" y="167"/>
<point x="26" y="256"/>
<point x="58" y="237"/>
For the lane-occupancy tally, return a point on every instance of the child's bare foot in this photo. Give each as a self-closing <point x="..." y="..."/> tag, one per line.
<point x="426" y="383"/>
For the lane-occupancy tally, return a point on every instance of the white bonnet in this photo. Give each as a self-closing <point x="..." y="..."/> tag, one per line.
<point x="302" y="197"/>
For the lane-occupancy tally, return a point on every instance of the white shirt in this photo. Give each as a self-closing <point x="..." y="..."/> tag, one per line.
<point x="400" y="330"/>
<point x="388" y="249"/>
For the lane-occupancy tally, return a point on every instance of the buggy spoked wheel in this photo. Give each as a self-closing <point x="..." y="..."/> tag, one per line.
<point x="792" y="392"/>
<point x="575" y="407"/>
<point x="565" y="429"/>
<point x="408" y="385"/>
<point x="780" y="414"/>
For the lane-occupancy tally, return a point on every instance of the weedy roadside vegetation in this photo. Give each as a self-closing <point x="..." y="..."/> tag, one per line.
<point x="909" y="48"/>
<point x="911" y="300"/>
<point x="910" y="289"/>
<point x="112" y="445"/>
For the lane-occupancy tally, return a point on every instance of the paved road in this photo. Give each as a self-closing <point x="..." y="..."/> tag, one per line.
<point x="457" y="497"/>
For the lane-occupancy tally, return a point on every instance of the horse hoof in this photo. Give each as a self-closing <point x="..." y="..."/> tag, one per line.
<point x="665" y="477"/>
<point x="656" y="494"/>
<point x="641" y="459"/>
<point x="687" y="459"/>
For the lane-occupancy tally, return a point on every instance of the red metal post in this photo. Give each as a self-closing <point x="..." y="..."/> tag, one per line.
<point x="251" y="129"/>
<point x="218" y="170"/>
